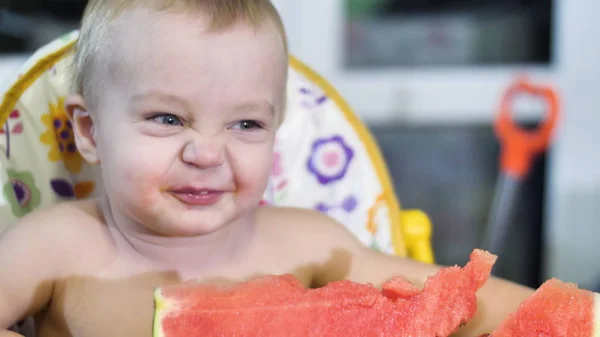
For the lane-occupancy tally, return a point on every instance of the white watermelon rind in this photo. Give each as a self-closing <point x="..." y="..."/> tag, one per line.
<point x="159" y="309"/>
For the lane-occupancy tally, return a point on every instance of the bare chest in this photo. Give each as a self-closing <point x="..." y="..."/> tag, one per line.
<point x="110" y="304"/>
<point x="96" y="306"/>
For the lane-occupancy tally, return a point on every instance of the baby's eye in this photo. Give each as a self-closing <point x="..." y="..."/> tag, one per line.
<point x="167" y="119"/>
<point x="248" y="125"/>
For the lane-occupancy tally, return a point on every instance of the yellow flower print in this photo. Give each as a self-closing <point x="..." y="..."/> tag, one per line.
<point x="59" y="136"/>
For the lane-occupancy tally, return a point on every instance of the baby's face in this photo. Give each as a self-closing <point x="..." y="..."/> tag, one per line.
<point x="185" y="131"/>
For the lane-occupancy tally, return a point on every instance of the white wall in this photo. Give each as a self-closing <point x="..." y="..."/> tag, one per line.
<point x="10" y="64"/>
<point x="573" y="239"/>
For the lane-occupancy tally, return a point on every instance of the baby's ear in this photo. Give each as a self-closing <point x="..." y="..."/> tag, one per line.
<point x="83" y="128"/>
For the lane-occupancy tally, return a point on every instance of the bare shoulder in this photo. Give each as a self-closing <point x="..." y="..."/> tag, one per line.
<point x="56" y="232"/>
<point x="317" y="239"/>
<point x="58" y="219"/>
<point x="36" y="252"/>
<point x="337" y="253"/>
<point x="317" y="229"/>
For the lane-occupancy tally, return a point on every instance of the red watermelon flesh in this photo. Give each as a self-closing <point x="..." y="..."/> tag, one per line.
<point x="281" y="306"/>
<point x="556" y="309"/>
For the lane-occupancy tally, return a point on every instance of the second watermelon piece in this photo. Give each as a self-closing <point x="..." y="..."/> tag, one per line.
<point x="556" y="309"/>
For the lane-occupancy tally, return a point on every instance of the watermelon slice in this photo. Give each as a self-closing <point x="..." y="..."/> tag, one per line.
<point x="556" y="309"/>
<point x="281" y="306"/>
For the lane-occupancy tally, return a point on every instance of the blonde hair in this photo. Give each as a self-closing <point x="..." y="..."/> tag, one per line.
<point x="100" y="20"/>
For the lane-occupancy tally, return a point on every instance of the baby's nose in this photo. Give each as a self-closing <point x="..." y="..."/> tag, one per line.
<point x="203" y="153"/>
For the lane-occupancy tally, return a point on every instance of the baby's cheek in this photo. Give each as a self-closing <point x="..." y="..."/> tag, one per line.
<point x="138" y="186"/>
<point x="252" y="175"/>
<point x="146" y="197"/>
<point x="128" y="177"/>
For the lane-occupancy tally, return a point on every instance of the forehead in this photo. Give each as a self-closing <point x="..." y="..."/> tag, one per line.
<point x="159" y="51"/>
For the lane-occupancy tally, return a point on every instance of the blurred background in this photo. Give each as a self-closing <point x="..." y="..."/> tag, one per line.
<point x="427" y="77"/>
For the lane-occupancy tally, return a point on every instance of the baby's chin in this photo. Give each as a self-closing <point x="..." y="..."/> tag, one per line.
<point x="187" y="226"/>
<point x="182" y="230"/>
<point x="198" y="222"/>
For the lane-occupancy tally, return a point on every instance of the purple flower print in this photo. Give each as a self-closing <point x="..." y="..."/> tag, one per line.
<point x="311" y="96"/>
<point x="316" y="97"/>
<point x="322" y="207"/>
<point x="348" y="205"/>
<point x="62" y="187"/>
<point x="329" y="159"/>
<point x="65" y="189"/>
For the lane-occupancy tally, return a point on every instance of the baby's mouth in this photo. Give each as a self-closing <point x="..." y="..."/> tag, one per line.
<point x="197" y="196"/>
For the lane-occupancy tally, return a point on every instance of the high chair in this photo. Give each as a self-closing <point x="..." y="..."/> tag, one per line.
<point x="324" y="158"/>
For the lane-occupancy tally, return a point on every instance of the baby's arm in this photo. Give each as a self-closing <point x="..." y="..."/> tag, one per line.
<point x="28" y="265"/>
<point x="497" y="298"/>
